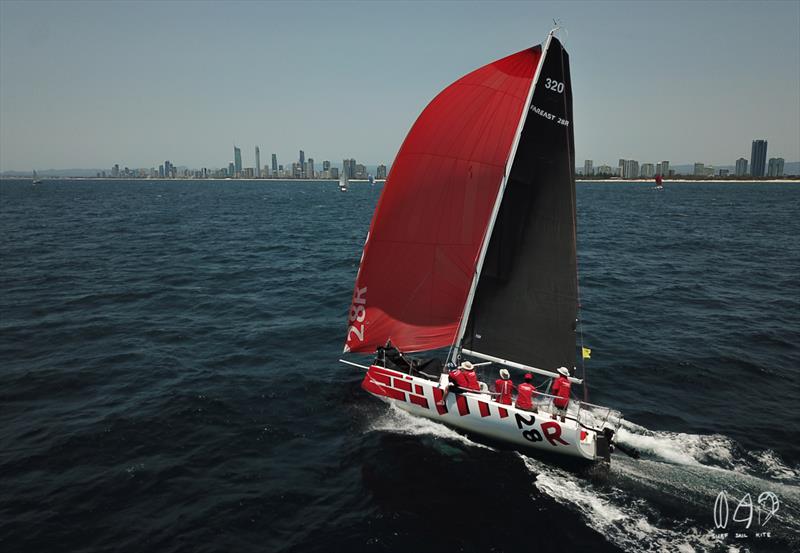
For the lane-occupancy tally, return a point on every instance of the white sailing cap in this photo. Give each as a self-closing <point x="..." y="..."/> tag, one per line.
<point x="467" y="366"/>
<point x="504" y="374"/>
<point x="564" y="371"/>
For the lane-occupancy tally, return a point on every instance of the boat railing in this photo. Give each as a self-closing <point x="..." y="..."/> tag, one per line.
<point x="586" y="414"/>
<point x="597" y="416"/>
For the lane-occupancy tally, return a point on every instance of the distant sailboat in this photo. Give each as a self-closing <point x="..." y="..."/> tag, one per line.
<point x="36" y="180"/>
<point x="659" y="180"/>
<point x="343" y="181"/>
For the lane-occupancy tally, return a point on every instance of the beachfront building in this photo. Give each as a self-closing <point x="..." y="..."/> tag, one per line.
<point x="758" y="158"/>
<point x="628" y="168"/>
<point x="741" y="167"/>
<point x="775" y="167"/>
<point x="237" y="160"/>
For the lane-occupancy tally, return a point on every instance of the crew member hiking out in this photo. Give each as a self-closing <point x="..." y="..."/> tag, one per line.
<point x="561" y="389"/>
<point x="525" y="394"/>
<point x="461" y="378"/>
<point x="504" y="387"/>
<point x="469" y="373"/>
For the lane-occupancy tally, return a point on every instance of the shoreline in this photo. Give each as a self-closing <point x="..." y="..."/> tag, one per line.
<point x="592" y="181"/>
<point x="679" y="181"/>
<point x="126" y="179"/>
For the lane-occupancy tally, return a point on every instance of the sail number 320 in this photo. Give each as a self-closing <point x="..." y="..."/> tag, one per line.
<point x="554" y="85"/>
<point x="358" y="312"/>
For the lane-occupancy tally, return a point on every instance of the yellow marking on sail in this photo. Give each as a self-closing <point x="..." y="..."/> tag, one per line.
<point x="587" y="353"/>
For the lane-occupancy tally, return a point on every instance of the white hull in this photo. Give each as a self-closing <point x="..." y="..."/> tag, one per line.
<point x="478" y="413"/>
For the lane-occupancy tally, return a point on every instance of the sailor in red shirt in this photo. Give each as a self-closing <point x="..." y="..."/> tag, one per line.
<point x="468" y="370"/>
<point x="463" y="377"/>
<point x="504" y="387"/>
<point x="561" y="389"/>
<point x="525" y="394"/>
<point x="459" y="377"/>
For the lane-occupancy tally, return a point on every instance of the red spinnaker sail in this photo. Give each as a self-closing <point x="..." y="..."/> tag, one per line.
<point x="426" y="233"/>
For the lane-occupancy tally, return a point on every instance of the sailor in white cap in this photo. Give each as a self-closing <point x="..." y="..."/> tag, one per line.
<point x="458" y="377"/>
<point x="468" y="370"/>
<point x="504" y="387"/>
<point x="561" y="389"/>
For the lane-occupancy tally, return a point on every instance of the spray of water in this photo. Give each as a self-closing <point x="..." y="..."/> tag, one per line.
<point x="687" y="469"/>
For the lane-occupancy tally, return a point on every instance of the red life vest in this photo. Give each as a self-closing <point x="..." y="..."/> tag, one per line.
<point x="505" y="388"/>
<point x="472" y="380"/>
<point x="561" y="388"/>
<point x="459" y="377"/>
<point x="525" y="394"/>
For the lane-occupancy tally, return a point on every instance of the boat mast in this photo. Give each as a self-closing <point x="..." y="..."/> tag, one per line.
<point x="462" y="325"/>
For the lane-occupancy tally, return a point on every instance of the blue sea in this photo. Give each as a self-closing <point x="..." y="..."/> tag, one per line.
<point x="169" y="379"/>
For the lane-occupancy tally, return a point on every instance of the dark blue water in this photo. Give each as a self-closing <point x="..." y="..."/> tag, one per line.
<point x="168" y="378"/>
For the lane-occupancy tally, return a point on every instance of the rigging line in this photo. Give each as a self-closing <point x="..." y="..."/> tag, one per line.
<point x="578" y="318"/>
<point x="579" y="311"/>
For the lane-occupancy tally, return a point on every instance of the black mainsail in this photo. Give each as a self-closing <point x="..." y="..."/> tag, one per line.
<point x="525" y="303"/>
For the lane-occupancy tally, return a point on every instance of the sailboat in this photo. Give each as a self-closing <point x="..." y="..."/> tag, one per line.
<point x="36" y="180"/>
<point x="659" y="182"/>
<point x="471" y="254"/>
<point x="343" y="181"/>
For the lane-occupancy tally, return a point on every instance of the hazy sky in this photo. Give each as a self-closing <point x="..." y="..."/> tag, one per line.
<point x="90" y="84"/>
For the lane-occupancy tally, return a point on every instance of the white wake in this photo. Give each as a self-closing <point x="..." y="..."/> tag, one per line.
<point x="684" y="470"/>
<point x="400" y="422"/>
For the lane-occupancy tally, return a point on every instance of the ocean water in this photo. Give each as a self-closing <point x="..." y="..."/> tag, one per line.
<point x="169" y="378"/>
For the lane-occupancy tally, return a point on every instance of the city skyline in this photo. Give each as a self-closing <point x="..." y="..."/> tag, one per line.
<point x="758" y="166"/>
<point x="82" y="82"/>
<point x="624" y="167"/>
<point x="304" y="168"/>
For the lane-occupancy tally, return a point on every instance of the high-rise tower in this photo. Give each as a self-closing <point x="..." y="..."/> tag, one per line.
<point x="758" y="158"/>
<point x="775" y="167"/>
<point x="237" y="159"/>
<point x="258" y="163"/>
